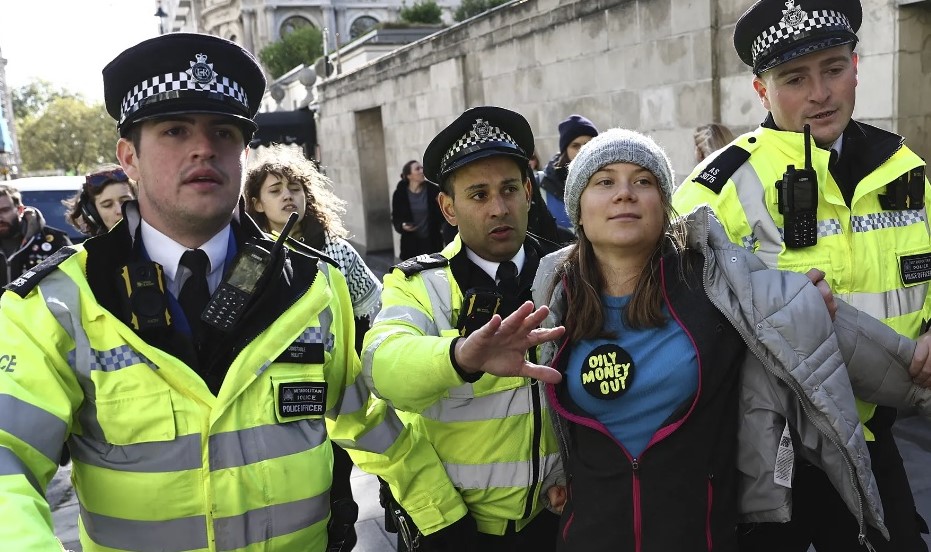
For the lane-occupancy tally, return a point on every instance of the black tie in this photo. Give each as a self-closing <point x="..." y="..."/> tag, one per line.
<point x="507" y="279"/>
<point x="195" y="294"/>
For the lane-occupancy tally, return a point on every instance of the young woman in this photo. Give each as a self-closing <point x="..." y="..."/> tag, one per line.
<point x="280" y="182"/>
<point x="415" y="213"/>
<point x="99" y="205"/>
<point x="691" y="373"/>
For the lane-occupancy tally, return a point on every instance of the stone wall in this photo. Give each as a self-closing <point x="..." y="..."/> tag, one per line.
<point x="660" y="66"/>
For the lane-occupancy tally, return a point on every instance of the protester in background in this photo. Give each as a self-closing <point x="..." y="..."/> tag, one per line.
<point x="574" y="132"/>
<point x="861" y="214"/>
<point x="99" y="204"/>
<point x="25" y="240"/>
<point x="710" y="138"/>
<point x="675" y="337"/>
<point x="279" y="182"/>
<point x="415" y="213"/>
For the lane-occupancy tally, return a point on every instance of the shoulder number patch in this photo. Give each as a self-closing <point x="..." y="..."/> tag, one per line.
<point x="420" y="263"/>
<point x="30" y="279"/>
<point x="721" y="168"/>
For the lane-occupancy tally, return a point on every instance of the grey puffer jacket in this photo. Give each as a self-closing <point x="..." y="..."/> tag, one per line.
<point x="803" y="371"/>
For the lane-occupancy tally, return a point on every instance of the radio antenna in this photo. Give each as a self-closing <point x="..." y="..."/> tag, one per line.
<point x="807" y="147"/>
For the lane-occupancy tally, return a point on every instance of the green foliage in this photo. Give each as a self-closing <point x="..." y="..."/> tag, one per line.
<point x="423" y="11"/>
<point x="32" y="99"/>
<point x="301" y="46"/>
<point x="470" y="8"/>
<point x="69" y="135"/>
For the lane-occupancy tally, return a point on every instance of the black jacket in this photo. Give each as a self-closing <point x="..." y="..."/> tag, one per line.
<point x="411" y="244"/>
<point x="39" y="243"/>
<point x="614" y="499"/>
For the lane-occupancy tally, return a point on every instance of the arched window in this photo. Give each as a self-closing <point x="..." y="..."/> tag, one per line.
<point x="292" y="23"/>
<point x="361" y="26"/>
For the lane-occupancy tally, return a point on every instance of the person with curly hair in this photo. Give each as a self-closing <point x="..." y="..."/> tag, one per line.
<point x="98" y="206"/>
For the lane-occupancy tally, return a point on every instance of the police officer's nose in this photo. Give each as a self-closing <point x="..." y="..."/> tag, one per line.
<point x="820" y="90"/>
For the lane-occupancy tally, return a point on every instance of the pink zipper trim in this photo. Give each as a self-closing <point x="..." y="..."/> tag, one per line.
<point x="708" y="516"/>
<point x="565" y="530"/>
<point x="638" y="513"/>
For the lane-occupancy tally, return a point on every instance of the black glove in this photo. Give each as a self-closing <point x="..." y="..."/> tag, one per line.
<point x="461" y="536"/>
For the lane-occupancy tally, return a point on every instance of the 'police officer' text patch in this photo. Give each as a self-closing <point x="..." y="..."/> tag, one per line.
<point x="915" y="268"/>
<point x="301" y="399"/>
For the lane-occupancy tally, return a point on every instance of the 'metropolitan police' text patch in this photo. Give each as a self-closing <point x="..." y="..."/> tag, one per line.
<point x="301" y="399"/>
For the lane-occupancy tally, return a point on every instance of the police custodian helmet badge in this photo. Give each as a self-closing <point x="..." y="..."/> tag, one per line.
<point x="202" y="72"/>
<point x="793" y="16"/>
<point x="481" y="129"/>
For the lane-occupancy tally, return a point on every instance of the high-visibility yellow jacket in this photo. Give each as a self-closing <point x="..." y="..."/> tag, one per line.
<point x="877" y="259"/>
<point x="159" y="462"/>
<point x="495" y="436"/>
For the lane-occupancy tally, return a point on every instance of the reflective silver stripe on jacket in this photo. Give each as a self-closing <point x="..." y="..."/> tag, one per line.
<point x="439" y="290"/>
<point x="173" y="535"/>
<point x="62" y="299"/>
<point x="234" y="449"/>
<point x="408" y="315"/>
<point x="32" y="425"/>
<point x="497" y="475"/>
<point x="889" y="304"/>
<point x="355" y="397"/>
<point x="380" y="438"/>
<point x="750" y="193"/>
<point x="180" y="454"/>
<point x="10" y="464"/>
<point x="499" y="405"/>
<point x="255" y="526"/>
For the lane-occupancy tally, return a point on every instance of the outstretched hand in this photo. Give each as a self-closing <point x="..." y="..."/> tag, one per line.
<point x="500" y="346"/>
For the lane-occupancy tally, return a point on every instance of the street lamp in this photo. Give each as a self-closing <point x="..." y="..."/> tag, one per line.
<point x="161" y="15"/>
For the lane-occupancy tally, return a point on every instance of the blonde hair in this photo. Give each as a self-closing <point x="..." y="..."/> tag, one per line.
<point x="710" y="138"/>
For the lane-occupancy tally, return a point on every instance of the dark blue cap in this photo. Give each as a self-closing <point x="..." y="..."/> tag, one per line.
<point x="183" y="73"/>
<point x="478" y="133"/>
<point x="773" y="32"/>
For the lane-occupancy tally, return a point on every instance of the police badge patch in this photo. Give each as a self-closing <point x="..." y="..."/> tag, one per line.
<point x="201" y="71"/>
<point x="793" y="16"/>
<point x="481" y="129"/>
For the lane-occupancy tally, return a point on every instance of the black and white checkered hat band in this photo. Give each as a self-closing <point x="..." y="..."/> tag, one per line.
<point x="472" y="138"/>
<point x="780" y="33"/>
<point x="177" y="82"/>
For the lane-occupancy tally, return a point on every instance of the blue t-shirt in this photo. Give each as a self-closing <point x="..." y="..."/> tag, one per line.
<point x="633" y="383"/>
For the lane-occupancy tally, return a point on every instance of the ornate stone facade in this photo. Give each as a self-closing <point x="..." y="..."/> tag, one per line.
<point x="256" y="23"/>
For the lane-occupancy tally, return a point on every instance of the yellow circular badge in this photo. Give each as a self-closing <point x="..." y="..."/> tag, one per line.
<point x="608" y="372"/>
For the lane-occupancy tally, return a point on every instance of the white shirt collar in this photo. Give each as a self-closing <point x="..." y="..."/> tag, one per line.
<point x="491" y="267"/>
<point x="167" y="252"/>
<point x="838" y="145"/>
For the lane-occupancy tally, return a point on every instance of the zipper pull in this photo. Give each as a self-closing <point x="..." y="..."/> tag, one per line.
<point x="866" y="542"/>
<point x="635" y="464"/>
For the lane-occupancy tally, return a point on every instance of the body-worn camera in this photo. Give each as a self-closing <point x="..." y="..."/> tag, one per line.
<point x="478" y="306"/>
<point x="145" y="305"/>
<point x="797" y="194"/>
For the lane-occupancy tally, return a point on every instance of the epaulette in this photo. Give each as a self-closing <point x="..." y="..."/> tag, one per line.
<point x="304" y="249"/>
<point x="30" y="279"/>
<point x="721" y="168"/>
<point x="420" y="263"/>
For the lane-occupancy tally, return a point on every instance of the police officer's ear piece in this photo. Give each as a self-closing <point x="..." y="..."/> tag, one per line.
<point x="89" y="212"/>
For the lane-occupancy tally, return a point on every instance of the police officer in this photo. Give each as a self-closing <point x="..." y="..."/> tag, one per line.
<point x="858" y="213"/>
<point x="439" y="351"/>
<point x="195" y="422"/>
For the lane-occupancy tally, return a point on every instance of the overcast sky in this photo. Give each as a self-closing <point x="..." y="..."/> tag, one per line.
<point x="68" y="42"/>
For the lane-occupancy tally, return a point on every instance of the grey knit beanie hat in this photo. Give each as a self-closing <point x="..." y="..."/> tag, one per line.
<point x="616" y="145"/>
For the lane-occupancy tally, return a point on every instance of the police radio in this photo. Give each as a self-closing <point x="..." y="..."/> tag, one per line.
<point x="251" y="267"/>
<point x="797" y="195"/>
<point x="478" y="306"/>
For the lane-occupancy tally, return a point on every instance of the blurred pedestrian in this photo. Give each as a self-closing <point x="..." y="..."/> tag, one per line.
<point x="415" y="213"/>
<point x="709" y="139"/>
<point x="98" y="206"/>
<point x="25" y="240"/>
<point x="574" y="132"/>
